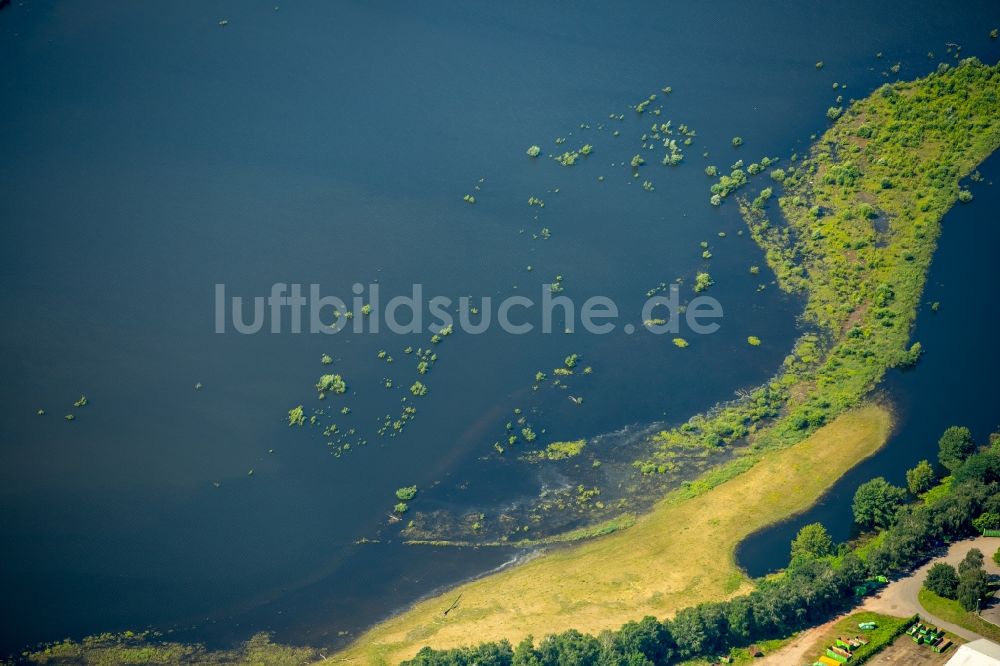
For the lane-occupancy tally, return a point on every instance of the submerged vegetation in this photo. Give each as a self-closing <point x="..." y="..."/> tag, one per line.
<point x="147" y="647"/>
<point x="858" y="222"/>
<point x="331" y="384"/>
<point x="898" y="156"/>
<point x="406" y="494"/>
<point x="559" y="450"/>
<point x="296" y="416"/>
<point x="669" y="137"/>
<point x="859" y="217"/>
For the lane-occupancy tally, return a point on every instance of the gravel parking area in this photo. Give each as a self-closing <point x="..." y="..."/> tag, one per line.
<point x="905" y="652"/>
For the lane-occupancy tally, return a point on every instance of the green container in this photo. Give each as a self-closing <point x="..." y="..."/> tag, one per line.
<point x="833" y="655"/>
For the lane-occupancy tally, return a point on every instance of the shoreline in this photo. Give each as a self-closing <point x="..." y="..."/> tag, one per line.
<point x="568" y="586"/>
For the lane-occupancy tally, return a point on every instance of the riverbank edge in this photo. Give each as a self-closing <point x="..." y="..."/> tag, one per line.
<point x="650" y="546"/>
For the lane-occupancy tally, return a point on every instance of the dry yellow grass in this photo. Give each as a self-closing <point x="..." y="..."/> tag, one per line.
<point x="679" y="554"/>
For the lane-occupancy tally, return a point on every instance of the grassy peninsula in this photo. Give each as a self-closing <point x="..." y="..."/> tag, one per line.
<point x="862" y="215"/>
<point x="678" y="555"/>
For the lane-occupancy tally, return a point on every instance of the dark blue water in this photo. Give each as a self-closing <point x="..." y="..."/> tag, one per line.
<point x="149" y="153"/>
<point x="954" y="383"/>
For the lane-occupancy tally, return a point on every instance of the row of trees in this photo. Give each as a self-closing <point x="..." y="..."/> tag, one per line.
<point x="819" y="582"/>
<point x="808" y="593"/>
<point x="877" y="501"/>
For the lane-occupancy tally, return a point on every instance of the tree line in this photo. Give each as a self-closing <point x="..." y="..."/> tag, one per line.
<point x="819" y="582"/>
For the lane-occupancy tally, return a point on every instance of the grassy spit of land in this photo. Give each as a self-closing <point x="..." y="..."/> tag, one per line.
<point x="863" y="215"/>
<point x="679" y="554"/>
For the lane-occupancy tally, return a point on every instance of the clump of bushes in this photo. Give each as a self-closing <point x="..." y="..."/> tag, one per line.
<point x="406" y="493"/>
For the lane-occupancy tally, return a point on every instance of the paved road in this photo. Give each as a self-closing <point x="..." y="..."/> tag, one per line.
<point x="900" y="596"/>
<point x="897" y="598"/>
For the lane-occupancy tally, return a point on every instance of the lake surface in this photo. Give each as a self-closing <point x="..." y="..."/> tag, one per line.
<point x="150" y="153"/>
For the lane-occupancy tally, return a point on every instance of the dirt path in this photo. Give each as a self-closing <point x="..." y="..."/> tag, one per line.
<point x="899" y="598"/>
<point x="799" y="650"/>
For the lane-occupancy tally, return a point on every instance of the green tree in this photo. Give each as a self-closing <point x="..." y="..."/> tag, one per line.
<point x="740" y="619"/>
<point x="973" y="586"/>
<point x="984" y="467"/>
<point x="942" y="580"/>
<point x="972" y="560"/>
<point x="877" y="502"/>
<point x="647" y="639"/>
<point x="955" y="446"/>
<point x="987" y="521"/>
<point x="812" y="541"/>
<point x="492" y="654"/>
<point x="921" y="478"/>
<point x="910" y="357"/>
<point x="696" y="630"/>
<point x="569" y="647"/>
<point x="525" y="654"/>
